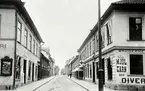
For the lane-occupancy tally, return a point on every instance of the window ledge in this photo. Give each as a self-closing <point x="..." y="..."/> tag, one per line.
<point x="136" y="75"/>
<point x="135" y="40"/>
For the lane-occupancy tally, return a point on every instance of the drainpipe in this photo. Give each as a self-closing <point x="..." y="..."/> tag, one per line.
<point x="41" y="70"/>
<point x="15" y="51"/>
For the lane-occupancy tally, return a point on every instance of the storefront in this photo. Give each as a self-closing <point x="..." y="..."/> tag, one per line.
<point x="124" y="69"/>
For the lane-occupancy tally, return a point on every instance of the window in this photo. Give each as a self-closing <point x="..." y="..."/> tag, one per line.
<point x="25" y="38"/>
<point x="19" y="31"/>
<point x="136" y="64"/>
<point x="135" y="28"/>
<point x="30" y="43"/>
<point x="97" y="42"/>
<point x="34" y="46"/>
<point x="90" y="48"/>
<point x="109" y="69"/>
<point x="108" y="30"/>
<point x="36" y="49"/>
<point x="103" y="36"/>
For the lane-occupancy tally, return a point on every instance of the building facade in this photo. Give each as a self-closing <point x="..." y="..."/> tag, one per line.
<point x="123" y="47"/>
<point x="19" y="45"/>
<point x="44" y="68"/>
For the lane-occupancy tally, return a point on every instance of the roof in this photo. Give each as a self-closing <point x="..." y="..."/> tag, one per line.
<point x="124" y="5"/>
<point x="130" y="2"/>
<point x="45" y="54"/>
<point x="19" y="5"/>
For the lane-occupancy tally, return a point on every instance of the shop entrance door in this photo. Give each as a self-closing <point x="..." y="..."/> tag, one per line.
<point x="24" y="70"/>
<point x="103" y="70"/>
<point x="93" y="71"/>
<point x="33" y="72"/>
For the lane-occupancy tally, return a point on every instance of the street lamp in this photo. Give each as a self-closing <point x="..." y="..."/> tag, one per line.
<point x="100" y="54"/>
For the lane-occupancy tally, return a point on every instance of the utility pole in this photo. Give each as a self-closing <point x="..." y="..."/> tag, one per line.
<point x="100" y="52"/>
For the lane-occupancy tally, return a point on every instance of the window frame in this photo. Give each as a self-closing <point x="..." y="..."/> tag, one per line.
<point x="108" y="32"/>
<point x="129" y="35"/>
<point x="34" y="43"/>
<point x="130" y="64"/>
<point x="20" y="31"/>
<point x="26" y="38"/>
<point x="30" y="42"/>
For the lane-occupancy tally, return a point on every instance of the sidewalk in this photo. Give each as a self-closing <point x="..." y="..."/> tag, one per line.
<point x="32" y="86"/>
<point x="90" y="86"/>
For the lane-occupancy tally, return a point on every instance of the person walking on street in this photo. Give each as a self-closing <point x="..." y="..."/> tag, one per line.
<point x="70" y="75"/>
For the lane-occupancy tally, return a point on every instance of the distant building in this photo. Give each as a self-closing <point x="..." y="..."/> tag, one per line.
<point x="19" y="45"/>
<point x="56" y="70"/>
<point x="62" y="72"/>
<point x="46" y="52"/>
<point x="44" y="68"/>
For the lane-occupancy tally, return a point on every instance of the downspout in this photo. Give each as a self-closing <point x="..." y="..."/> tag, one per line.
<point x="15" y="50"/>
<point x="40" y="60"/>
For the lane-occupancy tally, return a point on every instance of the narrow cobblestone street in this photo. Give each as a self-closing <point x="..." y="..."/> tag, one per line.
<point x="61" y="83"/>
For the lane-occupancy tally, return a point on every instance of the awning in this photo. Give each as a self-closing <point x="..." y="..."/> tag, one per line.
<point x="77" y="69"/>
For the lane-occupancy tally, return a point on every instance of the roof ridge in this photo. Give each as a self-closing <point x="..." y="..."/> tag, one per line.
<point x="129" y="2"/>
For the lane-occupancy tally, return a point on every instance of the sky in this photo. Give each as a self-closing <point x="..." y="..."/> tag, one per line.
<point x="64" y="24"/>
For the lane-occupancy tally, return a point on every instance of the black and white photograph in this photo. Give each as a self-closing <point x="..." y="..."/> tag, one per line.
<point x="72" y="45"/>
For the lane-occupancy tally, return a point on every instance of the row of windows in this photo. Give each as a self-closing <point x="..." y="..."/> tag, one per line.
<point x="136" y="67"/>
<point x="135" y="33"/>
<point x="31" y="43"/>
<point x="94" y="43"/>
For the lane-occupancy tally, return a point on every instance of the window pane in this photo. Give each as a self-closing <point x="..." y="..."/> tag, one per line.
<point x="30" y="42"/>
<point x="136" y="64"/>
<point x="19" y="28"/>
<point x="135" y="28"/>
<point x="25" y="38"/>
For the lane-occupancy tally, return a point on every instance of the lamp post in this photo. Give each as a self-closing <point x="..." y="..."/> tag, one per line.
<point x="100" y="54"/>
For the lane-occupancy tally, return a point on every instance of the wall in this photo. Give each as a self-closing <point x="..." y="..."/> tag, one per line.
<point x="121" y="20"/>
<point x="7" y="36"/>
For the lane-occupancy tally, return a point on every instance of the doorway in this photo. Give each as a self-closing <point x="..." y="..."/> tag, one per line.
<point x="93" y="71"/>
<point x="103" y="63"/>
<point x="33" y="72"/>
<point x="24" y="70"/>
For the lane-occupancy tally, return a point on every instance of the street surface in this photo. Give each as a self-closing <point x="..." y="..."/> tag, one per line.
<point x="60" y="83"/>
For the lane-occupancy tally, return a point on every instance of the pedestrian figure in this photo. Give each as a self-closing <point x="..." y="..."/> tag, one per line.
<point x="70" y="75"/>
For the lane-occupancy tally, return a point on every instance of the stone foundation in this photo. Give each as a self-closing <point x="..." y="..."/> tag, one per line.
<point x="126" y="87"/>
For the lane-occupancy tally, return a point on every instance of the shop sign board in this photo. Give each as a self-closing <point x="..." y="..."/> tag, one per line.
<point x="121" y="64"/>
<point x="135" y="80"/>
<point x="6" y="66"/>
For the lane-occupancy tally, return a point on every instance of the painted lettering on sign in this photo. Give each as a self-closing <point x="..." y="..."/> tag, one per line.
<point x="134" y="80"/>
<point x="3" y="46"/>
<point x="121" y="68"/>
<point x="121" y="75"/>
<point x="121" y="62"/>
